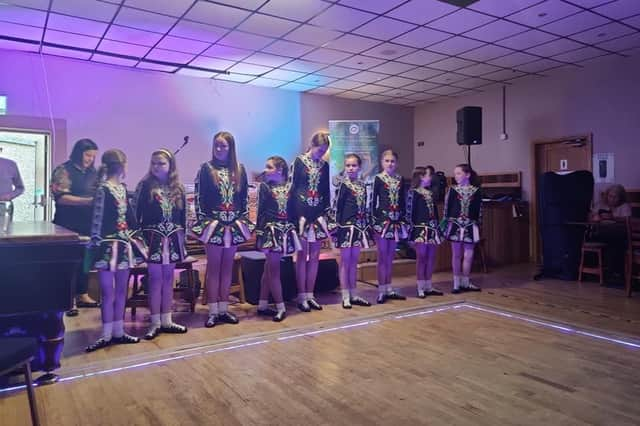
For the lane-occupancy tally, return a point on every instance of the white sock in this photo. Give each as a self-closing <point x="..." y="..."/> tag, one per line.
<point x="310" y="296"/>
<point x="464" y="281"/>
<point x="346" y="294"/>
<point x="223" y="306"/>
<point x="118" y="328"/>
<point x="107" y="330"/>
<point x="165" y="319"/>
<point x="428" y="286"/>
<point x="390" y="289"/>
<point x="213" y="308"/>
<point x="280" y="307"/>
<point x="456" y="282"/>
<point x="155" y="319"/>
<point x="420" y="284"/>
<point x="382" y="288"/>
<point x="263" y="305"/>
<point x="302" y="297"/>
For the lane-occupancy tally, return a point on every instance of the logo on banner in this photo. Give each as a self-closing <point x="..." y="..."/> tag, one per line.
<point x="354" y="129"/>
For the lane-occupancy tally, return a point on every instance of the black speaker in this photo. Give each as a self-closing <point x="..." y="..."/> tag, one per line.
<point x="469" y="121"/>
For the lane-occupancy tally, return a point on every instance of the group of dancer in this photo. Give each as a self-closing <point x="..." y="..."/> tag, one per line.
<point x="294" y="215"/>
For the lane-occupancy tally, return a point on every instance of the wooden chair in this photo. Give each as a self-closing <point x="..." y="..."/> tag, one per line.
<point x="592" y="248"/>
<point x="237" y="282"/>
<point x="16" y="354"/>
<point x="633" y="253"/>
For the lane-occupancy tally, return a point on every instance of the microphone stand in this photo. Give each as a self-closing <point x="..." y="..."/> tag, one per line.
<point x="186" y="141"/>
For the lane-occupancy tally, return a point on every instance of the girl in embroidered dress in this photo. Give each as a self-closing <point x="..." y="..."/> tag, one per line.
<point x="112" y="228"/>
<point x="222" y="222"/>
<point x="351" y="227"/>
<point x="388" y="218"/>
<point x="422" y="213"/>
<point x="461" y="222"/>
<point x="275" y="233"/>
<point x="311" y="205"/>
<point x="161" y="215"/>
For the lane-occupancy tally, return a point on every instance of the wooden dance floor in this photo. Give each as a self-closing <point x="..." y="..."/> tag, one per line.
<point x="496" y="358"/>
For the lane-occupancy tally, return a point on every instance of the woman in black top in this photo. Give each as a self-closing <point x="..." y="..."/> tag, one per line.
<point x="222" y="221"/>
<point x="73" y="186"/>
<point x="160" y="207"/>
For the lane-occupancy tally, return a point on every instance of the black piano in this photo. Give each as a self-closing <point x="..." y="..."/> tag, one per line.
<point x="38" y="264"/>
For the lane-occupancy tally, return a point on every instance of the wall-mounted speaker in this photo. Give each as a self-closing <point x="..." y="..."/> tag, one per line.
<point x="469" y="121"/>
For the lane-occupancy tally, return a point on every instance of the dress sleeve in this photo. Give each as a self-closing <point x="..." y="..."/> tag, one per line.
<point x="325" y="187"/>
<point x="244" y="192"/>
<point x="98" y="215"/>
<point x="202" y="186"/>
<point x="138" y="201"/>
<point x="263" y="193"/>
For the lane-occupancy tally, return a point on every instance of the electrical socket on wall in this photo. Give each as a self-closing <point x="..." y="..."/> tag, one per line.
<point x="504" y="136"/>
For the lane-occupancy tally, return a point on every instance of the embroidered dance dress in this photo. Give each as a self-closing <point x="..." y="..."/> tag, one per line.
<point x="462" y="214"/>
<point x="310" y="192"/>
<point x="115" y="243"/>
<point x="222" y="215"/>
<point x="423" y="215"/>
<point x="389" y="207"/>
<point x="350" y="226"/>
<point x="162" y="222"/>
<point x="274" y="229"/>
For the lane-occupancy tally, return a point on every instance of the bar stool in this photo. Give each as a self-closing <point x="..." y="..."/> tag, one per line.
<point x="16" y="353"/>
<point x="594" y="248"/>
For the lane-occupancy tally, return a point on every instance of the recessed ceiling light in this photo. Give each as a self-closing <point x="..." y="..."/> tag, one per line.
<point x="542" y="14"/>
<point x="388" y="52"/>
<point x="360" y="63"/>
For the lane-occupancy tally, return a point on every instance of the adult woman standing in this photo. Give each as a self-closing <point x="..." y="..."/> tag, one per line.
<point x="73" y="186"/>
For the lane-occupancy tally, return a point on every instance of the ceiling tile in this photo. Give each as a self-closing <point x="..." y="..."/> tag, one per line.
<point x="352" y="43"/>
<point x="603" y="33"/>
<point x="376" y="6"/>
<point x="267" y="25"/>
<point x="288" y="48"/>
<point x="352" y="95"/>
<point x="485" y="53"/>
<point x="448" y="78"/>
<point x="421" y="96"/>
<point x="445" y="90"/>
<point x="619" y="9"/>
<point x="183" y="45"/>
<point x="590" y="3"/>
<point x="14" y="45"/>
<point x="211" y="63"/>
<point x="106" y="59"/>
<point x="131" y="35"/>
<point x="526" y="40"/>
<point x="326" y="56"/>
<point x="384" y="28"/>
<point x="377" y="98"/>
<point x="325" y="91"/>
<point x="169" y="56"/>
<point x="34" y="4"/>
<point x="156" y="67"/>
<point x="461" y="21"/>
<point x="197" y="31"/>
<point x="634" y="21"/>
<point x="267" y="60"/>
<point x="196" y="73"/>
<point x="166" y="7"/>
<point x="361" y="62"/>
<point x="216" y="14"/>
<point x="314" y="36"/>
<point x="244" y="68"/>
<point x="389" y="51"/>
<point x="237" y="78"/>
<point x="555" y="47"/>
<point x="398" y="92"/>
<point x="538" y="66"/>
<point x="341" y="18"/>
<point x="422" y="57"/>
<point x="421" y="73"/>
<point x="422" y="37"/>
<point x="368" y="77"/>
<point x="266" y="82"/>
<point x="396" y="81"/>
<point x="421" y="86"/>
<point x="69" y="39"/>
<point x="300" y="10"/>
<point x="76" y="25"/>
<point x="580" y="55"/>
<point x="144" y="20"/>
<point x="502" y="75"/>
<point x="496" y="30"/>
<point x="244" y="4"/>
<point x="456" y="45"/>
<point x="622" y="43"/>
<point x="372" y="89"/>
<point x="471" y="83"/>
<point x="298" y="87"/>
<point x="64" y="52"/>
<point x="304" y="66"/>
<point x="123" y="48"/>
<point x="90" y="9"/>
<point x="513" y="59"/>
<point x="393" y="68"/>
<point x="501" y="8"/>
<point x="315" y="80"/>
<point x="479" y="69"/>
<point x="545" y="12"/>
<point x="284" y="75"/>
<point x="345" y="84"/>
<point x="21" y="31"/>
<point x="420" y="11"/>
<point x="399" y="101"/>
<point x="245" y="40"/>
<point x="226" y="52"/>
<point x="451" y="64"/>
<point x="575" y="23"/>
<point x="22" y="16"/>
<point x="337" y="72"/>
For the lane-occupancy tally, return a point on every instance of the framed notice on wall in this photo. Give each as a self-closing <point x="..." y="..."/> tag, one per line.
<point x="603" y="167"/>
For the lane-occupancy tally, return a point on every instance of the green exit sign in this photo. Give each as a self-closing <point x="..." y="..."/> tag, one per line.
<point x="3" y="105"/>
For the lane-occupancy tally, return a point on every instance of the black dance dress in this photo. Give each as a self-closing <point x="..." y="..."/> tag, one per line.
<point x="425" y="224"/>
<point x="388" y="211"/>
<point x="462" y="214"/>
<point x="311" y="197"/>
<point x="274" y="230"/>
<point x="350" y="226"/>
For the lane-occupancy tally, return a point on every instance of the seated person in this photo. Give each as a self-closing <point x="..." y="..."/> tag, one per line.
<point x="613" y="205"/>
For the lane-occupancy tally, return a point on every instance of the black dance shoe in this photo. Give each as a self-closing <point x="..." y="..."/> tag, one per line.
<point x="228" y="317"/>
<point x="268" y="312"/>
<point x="153" y="332"/>
<point x="434" y="292"/>
<point x="381" y="298"/>
<point x="395" y="296"/>
<point x="125" y="339"/>
<point x="359" y="301"/>
<point x="315" y="305"/>
<point x="346" y="304"/>
<point x="304" y="307"/>
<point x="173" y="328"/>
<point x="211" y="321"/>
<point x="99" y="344"/>
<point x="472" y="287"/>
<point x="279" y="316"/>
<point x="457" y="291"/>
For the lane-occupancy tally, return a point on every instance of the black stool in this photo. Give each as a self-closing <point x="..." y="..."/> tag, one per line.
<point x="16" y="353"/>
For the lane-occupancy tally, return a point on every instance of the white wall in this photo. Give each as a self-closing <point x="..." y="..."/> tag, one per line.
<point x="602" y="98"/>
